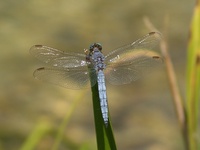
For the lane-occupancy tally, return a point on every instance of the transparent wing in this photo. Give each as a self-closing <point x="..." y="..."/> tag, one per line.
<point x="58" y="58"/>
<point x="72" y="78"/>
<point x="131" y="62"/>
<point x="131" y="72"/>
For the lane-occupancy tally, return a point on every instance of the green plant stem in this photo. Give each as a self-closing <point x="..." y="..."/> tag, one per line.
<point x="42" y="129"/>
<point x="193" y="79"/>
<point x="104" y="135"/>
<point x="63" y="125"/>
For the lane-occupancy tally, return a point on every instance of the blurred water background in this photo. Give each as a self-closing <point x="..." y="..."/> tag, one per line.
<point x="142" y="113"/>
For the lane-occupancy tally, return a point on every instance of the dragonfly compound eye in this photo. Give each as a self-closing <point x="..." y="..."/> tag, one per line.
<point x="91" y="47"/>
<point x="98" y="45"/>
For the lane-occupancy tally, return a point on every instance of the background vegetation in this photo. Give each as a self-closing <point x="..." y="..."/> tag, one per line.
<point x="143" y="114"/>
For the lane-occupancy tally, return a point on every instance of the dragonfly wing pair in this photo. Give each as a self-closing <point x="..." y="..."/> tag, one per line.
<point x="123" y="65"/>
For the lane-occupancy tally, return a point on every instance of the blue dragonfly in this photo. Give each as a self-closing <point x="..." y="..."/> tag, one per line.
<point x="121" y="66"/>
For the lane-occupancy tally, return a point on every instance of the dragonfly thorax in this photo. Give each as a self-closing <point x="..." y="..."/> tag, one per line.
<point x="95" y="57"/>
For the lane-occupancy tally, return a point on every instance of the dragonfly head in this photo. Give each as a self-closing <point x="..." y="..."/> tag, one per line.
<point x="95" y="45"/>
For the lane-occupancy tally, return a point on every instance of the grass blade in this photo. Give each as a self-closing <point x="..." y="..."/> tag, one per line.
<point x="104" y="135"/>
<point x="193" y="78"/>
<point x="42" y="129"/>
<point x="63" y="125"/>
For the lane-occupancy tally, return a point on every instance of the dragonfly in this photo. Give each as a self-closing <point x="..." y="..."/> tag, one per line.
<point x="123" y="65"/>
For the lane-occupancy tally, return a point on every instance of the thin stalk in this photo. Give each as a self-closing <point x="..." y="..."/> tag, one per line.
<point x="178" y="102"/>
